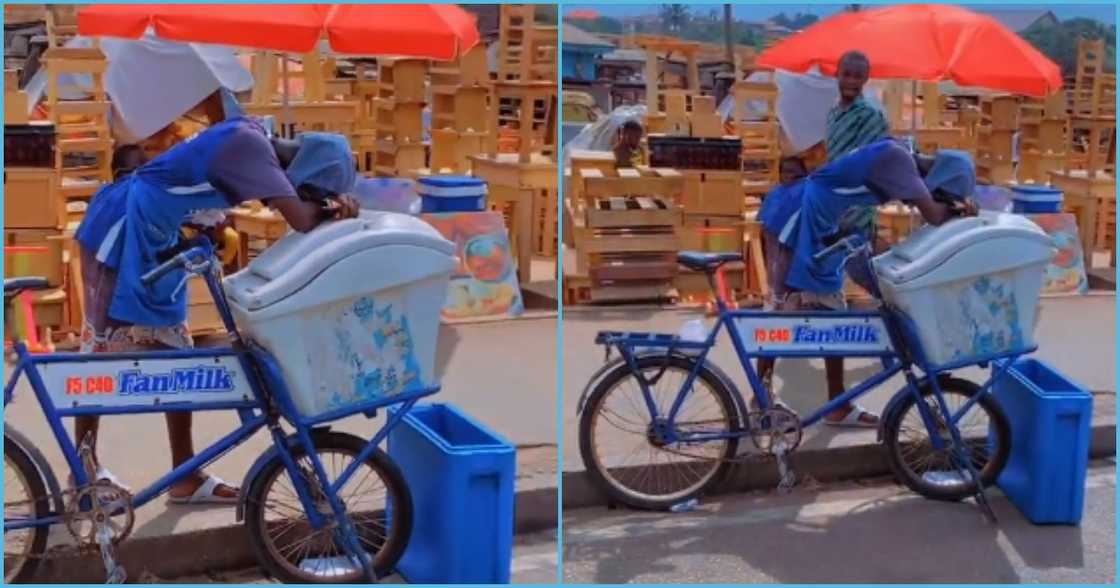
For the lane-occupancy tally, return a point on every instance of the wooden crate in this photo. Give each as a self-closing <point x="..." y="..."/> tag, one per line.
<point x="402" y="79"/>
<point x="31" y="199"/>
<point x="713" y="193"/>
<point x="715" y="234"/>
<point x="49" y="264"/>
<point x="202" y="313"/>
<point x="1000" y="112"/>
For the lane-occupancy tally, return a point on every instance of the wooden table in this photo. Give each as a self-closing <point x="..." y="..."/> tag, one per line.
<point x="509" y="180"/>
<point x="257" y="223"/>
<point x="1085" y="196"/>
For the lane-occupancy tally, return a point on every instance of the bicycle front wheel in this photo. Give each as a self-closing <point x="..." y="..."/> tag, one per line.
<point x="282" y="538"/>
<point x="624" y="456"/>
<point x="931" y="472"/>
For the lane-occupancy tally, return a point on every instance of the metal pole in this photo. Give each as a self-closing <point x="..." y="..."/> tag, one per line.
<point x="728" y="43"/>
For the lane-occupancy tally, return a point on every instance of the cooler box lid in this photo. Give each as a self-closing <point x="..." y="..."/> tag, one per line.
<point x="1014" y="241"/>
<point x="298" y="258"/>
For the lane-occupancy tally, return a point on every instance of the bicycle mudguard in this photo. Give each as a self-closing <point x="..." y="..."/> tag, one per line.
<point x="269" y="454"/>
<point x="40" y="462"/>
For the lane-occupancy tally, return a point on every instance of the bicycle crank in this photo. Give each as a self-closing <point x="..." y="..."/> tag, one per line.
<point x="100" y="516"/>
<point x="768" y="427"/>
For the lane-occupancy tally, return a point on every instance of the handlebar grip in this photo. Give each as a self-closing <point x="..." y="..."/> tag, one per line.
<point x="849" y="243"/>
<point x="163" y="269"/>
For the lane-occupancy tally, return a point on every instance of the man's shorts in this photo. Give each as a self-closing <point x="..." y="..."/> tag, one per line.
<point x="782" y="297"/>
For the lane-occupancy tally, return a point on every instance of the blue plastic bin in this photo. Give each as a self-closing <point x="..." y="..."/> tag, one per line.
<point x="452" y="194"/>
<point x="1050" y="419"/>
<point x="1035" y="200"/>
<point x="461" y="476"/>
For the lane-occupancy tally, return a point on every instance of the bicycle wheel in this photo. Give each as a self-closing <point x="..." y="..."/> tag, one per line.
<point x="933" y="473"/>
<point x="282" y="538"/>
<point x="616" y="429"/>
<point x="25" y="498"/>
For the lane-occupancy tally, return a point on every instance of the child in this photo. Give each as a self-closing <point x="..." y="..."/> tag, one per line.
<point x="628" y="151"/>
<point x="127" y="159"/>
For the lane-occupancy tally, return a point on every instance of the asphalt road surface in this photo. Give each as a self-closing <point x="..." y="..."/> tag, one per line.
<point x="869" y="532"/>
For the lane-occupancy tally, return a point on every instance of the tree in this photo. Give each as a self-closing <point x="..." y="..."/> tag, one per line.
<point x="603" y="24"/>
<point x="1059" y="42"/>
<point x="796" y="22"/>
<point x="674" y="17"/>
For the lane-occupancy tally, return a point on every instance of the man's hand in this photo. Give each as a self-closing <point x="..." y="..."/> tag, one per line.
<point x="344" y="207"/>
<point x="969" y="208"/>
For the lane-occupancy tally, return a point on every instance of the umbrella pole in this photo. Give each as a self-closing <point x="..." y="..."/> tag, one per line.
<point x="284" y="111"/>
<point x="914" y="115"/>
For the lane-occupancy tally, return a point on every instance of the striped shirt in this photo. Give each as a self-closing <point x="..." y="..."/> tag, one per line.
<point x="859" y="125"/>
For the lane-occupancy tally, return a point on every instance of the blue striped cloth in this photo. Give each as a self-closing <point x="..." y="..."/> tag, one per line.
<point x="861" y="124"/>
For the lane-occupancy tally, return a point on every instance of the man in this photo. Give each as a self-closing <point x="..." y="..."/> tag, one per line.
<point x="806" y="217"/>
<point x="628" y="151"/>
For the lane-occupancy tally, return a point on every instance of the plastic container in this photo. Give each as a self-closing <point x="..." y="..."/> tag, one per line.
<point x="1051" y="420"/>
<point x="387" y="195"/>
<point x="461" y="476"/>
<point x="350" y="311"/>
<point x="452" y="194"/>
<point x="971" y="286"/>
<point x="1035" y="200"/>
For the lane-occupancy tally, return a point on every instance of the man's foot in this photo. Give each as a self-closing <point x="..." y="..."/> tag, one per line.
<point x="854" y="416"/>
<point x="203" y="489"/>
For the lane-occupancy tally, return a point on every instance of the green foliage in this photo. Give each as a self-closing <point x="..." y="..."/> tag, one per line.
<point x="1059" y="43"/>
<point x="674" y="17"/>
<point x="603" y="24"/>
<point x="796" y="22"/>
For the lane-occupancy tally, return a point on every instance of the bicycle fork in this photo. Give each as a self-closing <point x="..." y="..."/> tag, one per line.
<point x="958" y="450"/>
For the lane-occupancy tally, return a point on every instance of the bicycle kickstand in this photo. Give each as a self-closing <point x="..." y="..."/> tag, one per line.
<point x="114" y="572"/>
<point x="981" y="494"/>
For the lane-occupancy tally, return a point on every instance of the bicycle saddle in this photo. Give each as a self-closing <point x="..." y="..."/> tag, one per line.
<point x="27" y="283"/>
<point x="706" y="262"/>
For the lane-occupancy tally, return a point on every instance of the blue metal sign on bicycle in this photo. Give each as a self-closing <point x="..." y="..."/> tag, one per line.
<point x="127" y="383"/>
<point x="197" y="379"/>
<point x="832" y="334"/>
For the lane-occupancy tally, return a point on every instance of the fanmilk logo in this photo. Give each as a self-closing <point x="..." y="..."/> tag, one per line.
<point x="843" y="334"/>
<point x="195" y="379"/>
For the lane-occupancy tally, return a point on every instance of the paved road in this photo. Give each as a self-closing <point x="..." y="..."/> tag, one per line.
<point x="534" y="562"/>
<point x="845" y="533"/>
<point x="1076" y="335"/>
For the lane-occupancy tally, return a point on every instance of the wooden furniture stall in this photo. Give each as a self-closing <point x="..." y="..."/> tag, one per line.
<point x="527" y="187"/>
<point x="526" y="49"/>
<point x="761" y="145"/>
<point x="460" y="111"/>
<point x="1000" y="121"/>
<point x="1043" y="127"/>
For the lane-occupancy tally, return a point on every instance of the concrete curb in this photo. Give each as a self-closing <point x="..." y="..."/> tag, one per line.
<point x="823" y="465"/>
<point x="223" y="548"/>
<point x="227" y="548"/>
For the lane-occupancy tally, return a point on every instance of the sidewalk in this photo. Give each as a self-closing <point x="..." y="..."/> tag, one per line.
<point x="501" y="373"/>
<point x="1076" y="335"/>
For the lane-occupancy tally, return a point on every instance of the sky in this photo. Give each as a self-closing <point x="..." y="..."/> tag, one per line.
<point x="756" y="12"/>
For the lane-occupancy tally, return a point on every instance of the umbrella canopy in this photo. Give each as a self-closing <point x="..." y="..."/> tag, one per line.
<point x="152" y="82"/>
<point x="928" y="42"/>
<point x="433" y="31"/>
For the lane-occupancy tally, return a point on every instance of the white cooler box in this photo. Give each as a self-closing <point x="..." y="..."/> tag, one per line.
<point x="351" y="310"/>
<point x="971" y="285"/>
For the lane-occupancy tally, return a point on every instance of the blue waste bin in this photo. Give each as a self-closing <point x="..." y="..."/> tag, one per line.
<point x="461" y="476"/>
<point x="1050" y="418"/>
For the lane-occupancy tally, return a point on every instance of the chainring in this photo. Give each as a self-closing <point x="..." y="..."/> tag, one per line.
<point x="768" y="426"/>
<point x="109" y="505"/>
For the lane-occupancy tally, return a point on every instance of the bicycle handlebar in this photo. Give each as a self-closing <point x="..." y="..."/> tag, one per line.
<point x="164" y="268"/>
<point x="851" y="243"/>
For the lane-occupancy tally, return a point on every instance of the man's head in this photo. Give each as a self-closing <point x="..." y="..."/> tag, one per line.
<point x="319" y="165"/>
<point x="791" y="169"/>
<point x="632" y="134"/>
<point x="851" y="75"/>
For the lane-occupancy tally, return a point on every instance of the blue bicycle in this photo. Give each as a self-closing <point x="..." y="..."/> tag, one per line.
<point x="662" y="424"/>
<point x="316" y="504"/>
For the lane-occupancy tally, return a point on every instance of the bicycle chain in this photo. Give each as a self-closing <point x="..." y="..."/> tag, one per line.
<point x="754" y="416"/>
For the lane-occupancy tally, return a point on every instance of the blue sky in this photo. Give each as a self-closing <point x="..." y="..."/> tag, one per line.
<point x="1102" y="12"/>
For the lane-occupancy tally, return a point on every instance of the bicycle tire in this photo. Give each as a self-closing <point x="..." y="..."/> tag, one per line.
<point x="990" y="470"/>
<point x="384" y="561"/>
<point x="37" y="489"/>
<point x="594" y="403"/>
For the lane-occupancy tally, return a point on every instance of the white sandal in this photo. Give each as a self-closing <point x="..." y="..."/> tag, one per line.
<point x="205" y="494"/>
<point x="853" y="419"/>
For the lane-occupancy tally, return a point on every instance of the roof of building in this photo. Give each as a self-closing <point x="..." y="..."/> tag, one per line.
<point x="574" y="35"/>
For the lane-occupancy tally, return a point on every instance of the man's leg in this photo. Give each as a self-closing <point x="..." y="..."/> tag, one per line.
<point x="182" y="450"/>
<point x="83" y="426"/>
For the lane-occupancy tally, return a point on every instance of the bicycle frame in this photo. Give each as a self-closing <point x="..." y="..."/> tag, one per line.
<point x="259" y="372"/>
<point x="895" y="343"/>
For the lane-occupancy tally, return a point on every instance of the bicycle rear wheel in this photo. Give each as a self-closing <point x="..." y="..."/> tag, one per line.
<point x="25" y="498"/>
<point x="286" y="545"/>
<point x="615" y="434"/>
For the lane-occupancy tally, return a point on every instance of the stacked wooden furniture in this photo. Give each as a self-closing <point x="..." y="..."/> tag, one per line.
<point x="310" y="112"/>
<point x="761" y="145"/>
<point x="996" y="135"/>
<point x="1089" y="183"/>
<point x="656" y="120"/>
<point x="1042" y="138"/>
<point x="626" y="227"/>
<point x="399" y="122"/>
<point x="526" y="49"/>
<point x="460" y="111"/>
<point x="84" y="145"/>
